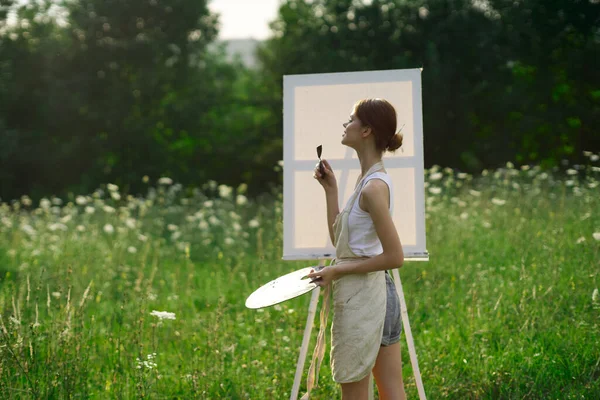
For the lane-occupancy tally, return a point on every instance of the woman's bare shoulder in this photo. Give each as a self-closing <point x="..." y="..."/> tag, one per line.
<point x="375" y="193"/>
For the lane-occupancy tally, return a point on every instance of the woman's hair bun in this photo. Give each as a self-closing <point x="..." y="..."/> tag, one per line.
<point x="395" y="142"/>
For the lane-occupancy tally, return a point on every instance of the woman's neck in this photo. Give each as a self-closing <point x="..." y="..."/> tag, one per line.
<point x="367" y="160"/>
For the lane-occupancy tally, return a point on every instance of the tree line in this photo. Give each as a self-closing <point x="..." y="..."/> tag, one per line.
<point x="98" y="91"/>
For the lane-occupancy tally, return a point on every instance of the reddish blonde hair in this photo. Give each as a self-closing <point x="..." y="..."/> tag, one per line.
<point x="380" y="116"/>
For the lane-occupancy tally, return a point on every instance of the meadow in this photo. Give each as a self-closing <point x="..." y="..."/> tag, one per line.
<point x="111" y="296"/>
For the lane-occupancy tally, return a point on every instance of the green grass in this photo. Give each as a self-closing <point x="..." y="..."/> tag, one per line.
<point x="505" y="308"/>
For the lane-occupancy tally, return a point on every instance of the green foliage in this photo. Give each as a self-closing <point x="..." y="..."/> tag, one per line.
<point x="507" y="307"/>
<point x="483" y="64"/>
<point x="115" y="91"/>
<point x="121" y="92"/>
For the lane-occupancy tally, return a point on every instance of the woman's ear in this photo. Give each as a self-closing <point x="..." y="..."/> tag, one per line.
<point x="366" y="131"/>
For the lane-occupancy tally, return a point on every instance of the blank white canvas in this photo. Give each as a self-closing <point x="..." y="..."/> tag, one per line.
<point x="315" y="106"/>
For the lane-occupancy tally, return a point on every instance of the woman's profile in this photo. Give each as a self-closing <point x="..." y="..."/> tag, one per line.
<point x="365" y="331"/>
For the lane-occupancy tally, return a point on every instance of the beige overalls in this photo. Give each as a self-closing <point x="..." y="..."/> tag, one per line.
<point x="359" y="305"/>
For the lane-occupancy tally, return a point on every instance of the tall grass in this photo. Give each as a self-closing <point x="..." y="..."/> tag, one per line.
<point x="507" y="307"/>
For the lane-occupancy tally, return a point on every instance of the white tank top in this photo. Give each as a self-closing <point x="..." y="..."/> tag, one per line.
<point x="362" y="238"/>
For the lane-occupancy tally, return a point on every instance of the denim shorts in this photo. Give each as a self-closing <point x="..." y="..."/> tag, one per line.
<point x="392" y="326"/>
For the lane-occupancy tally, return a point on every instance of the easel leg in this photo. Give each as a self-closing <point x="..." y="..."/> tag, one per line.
<point x="409" y="337"/>
<point x="310" y="319"/>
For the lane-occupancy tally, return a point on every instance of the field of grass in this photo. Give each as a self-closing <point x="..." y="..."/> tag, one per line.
<point x="507" y="307"/>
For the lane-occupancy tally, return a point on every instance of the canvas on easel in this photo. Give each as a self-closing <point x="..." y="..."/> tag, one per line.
<point x="315" y="106"/>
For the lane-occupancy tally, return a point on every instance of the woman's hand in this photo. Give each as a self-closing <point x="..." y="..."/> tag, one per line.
<point x="327" y="180"/>
<point x="324" y="276"/>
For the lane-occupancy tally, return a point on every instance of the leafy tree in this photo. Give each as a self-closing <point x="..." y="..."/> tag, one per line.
<point x="499" y="81"/>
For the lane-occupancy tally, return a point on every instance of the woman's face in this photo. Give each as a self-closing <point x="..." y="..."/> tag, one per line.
<point x="352" y="131"/>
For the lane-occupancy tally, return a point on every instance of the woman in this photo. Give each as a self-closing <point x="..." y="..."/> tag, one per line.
<point x="366" y="323"/>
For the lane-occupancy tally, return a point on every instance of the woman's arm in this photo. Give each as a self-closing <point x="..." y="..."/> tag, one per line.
<point x="329" y="184"/>
<point x="333" y="209"/>
<point x="376" y="202"/>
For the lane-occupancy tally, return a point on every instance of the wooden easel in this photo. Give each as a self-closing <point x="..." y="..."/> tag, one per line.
<point x="312" y="310"/>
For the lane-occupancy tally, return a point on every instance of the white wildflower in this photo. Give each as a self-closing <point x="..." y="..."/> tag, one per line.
<point x="172" y="227"/>
<point x="570" y="182"/>
<point x="571" y="171"/>
<point x="596" y="235"/>
<point x="90" y="210"/>
<point x="142" y="238"/>
<point x="594" y="157"/>
<point x="236" y="227"/>
<point x="213" y="220"/>
<point x="435" y="190"/>
<point x="486" y="224"/>
<point x="229" y="241"/>
<point x="28" y="229"/>
<point x="56" y="295"/>
<point x="56" y="201"/>
<point x="165" y="181"/>
<point x="108" y="228"/>
<point x="163" y="314"/>
<point x="474" y="193"/>
<point x="208" y="203"/>
<point x="148" y="363"/>
<point x="112" y="187"/>
<point x="587" y="153"/>
<point x="45" y="203"/>
<point x="510" y="165"/>
<point x="436" y="176"/>
<point x="203" y="225"/>
<point x="212" y="184"/>
<point x="241" y="200"/>
<point x="81" y="200"/>
<point x="595" y="295"/>
<point x="280" y="163"/>
<point x="498" y="202"/>
<point x="115" y="196"/>
<point x="80" y="228"/>
<point x="225" y="191"/>
<point x="7" y="222"/>
<point x="66" y="218"/>
<point x="130" y="223"/>
<point x="57" y="226"/>
<point x="108" y="209"/>
<point x="254" y="223"/>
<point x="26" y="200"/>
<point x="462" y="175"/>
<point x="132" y="249"/>
<point x="464" y="215"/>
